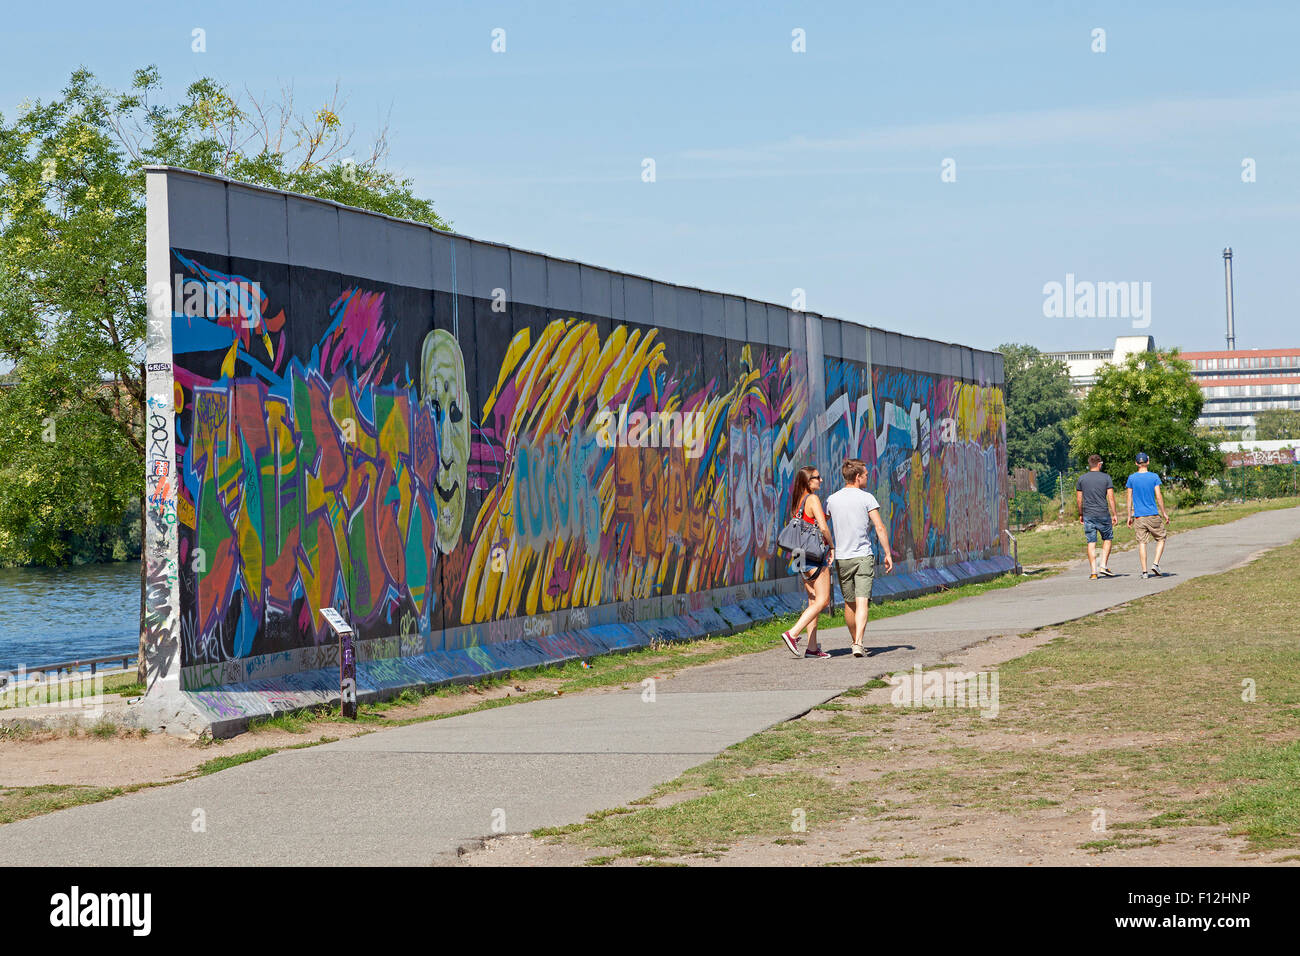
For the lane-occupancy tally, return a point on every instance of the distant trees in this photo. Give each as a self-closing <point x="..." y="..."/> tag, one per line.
<point x="1039" y="403"/>
<point x="1277" y="423"/>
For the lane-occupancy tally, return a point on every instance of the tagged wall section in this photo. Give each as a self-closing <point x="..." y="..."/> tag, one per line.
<point x="485" y="446"/>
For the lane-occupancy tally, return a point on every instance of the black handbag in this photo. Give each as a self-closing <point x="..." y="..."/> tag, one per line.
<point x="801" y="538"/>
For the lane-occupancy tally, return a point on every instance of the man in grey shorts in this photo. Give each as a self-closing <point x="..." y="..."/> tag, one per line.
<point x="1096" y="499"/>
<point x="852" y="511"/>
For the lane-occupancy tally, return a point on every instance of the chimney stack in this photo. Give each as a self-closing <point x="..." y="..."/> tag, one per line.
<point x="1227" y="271"/>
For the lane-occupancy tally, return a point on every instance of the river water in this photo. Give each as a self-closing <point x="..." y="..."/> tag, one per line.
<point x="49" y="615"/>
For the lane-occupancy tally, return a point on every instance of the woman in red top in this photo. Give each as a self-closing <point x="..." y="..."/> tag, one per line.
<point x="816" y="578"/>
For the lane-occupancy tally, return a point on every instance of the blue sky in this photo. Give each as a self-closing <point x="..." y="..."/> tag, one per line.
<point x="778" y="170"/>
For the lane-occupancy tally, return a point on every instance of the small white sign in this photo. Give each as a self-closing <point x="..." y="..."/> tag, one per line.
<point x="335" y="620"/>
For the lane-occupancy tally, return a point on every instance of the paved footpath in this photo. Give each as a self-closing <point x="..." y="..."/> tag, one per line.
<point x="413" y="795"/>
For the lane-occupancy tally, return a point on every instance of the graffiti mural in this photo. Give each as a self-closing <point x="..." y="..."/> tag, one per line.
<point x="423" y="461"/>
<point x="335" y="446"/>
<point x="937" y="454"/>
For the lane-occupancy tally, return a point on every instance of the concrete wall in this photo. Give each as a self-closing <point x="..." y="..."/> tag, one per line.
<point x="416" y="428"/>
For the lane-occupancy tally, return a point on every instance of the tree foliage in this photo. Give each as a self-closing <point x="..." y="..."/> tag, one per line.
<point x="1277" y="424"/>
<point x="1148" y="403"/>
<point x="1039" y="402"/>
<point x="72" y="274"/>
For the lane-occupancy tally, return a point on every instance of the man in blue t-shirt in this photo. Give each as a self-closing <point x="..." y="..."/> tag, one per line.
<point x="1146" y="512"/>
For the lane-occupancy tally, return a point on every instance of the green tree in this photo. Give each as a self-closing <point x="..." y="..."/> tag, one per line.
<point x="72" y="274"/>
<point x="1148" y="403"/>
<point x="1277" y="423"/>
<point x="1039" y="403"/>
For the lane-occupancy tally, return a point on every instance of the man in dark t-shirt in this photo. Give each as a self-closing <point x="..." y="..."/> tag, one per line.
<point x="1096" y="498"/>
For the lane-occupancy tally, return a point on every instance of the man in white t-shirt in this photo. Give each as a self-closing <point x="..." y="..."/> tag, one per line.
<point x="852" y="511"/>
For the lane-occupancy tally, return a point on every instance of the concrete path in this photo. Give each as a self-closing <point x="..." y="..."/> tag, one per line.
<point x="413" y="795"/>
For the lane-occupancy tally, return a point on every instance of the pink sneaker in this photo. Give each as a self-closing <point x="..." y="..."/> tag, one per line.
<point x="792" y="643"/>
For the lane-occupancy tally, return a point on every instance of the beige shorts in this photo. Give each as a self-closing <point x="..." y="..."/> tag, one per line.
<point x="856" y="576"/>
<point x="1148" y="527"/>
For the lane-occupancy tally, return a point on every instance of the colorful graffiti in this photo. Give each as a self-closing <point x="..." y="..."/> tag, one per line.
<point x="937" y="454"/>
<point x="322" y="473"/>
<point x="337" y="444"/>
<point x="577" y="521"/>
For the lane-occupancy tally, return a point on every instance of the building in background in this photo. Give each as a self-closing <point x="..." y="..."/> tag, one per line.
<point x="1240" y="383"/>
<point x="1237" y="384"/>
<point x="1084" y="365"/>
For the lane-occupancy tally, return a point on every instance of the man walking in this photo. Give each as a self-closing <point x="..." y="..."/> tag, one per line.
<point x="1146" y="512"/>
<point x="1095" y="493"/>
<point x="853" y="511"/>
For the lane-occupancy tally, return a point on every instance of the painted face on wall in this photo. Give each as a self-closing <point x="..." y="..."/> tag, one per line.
<point x="442" y="388"/>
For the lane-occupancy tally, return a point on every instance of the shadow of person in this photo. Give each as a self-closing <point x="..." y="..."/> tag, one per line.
<point x="877" y="651"/>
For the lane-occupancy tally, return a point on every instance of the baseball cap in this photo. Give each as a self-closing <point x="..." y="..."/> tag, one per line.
<point x="1142" y="458"/>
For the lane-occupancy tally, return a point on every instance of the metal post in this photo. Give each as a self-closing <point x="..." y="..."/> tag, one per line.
<point x="347" y="676"/>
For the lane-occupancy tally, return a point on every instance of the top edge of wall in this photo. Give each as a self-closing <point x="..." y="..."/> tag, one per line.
<point x="338" y="207"/>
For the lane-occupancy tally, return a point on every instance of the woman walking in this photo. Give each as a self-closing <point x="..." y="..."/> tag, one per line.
<point x="816" y="577"/>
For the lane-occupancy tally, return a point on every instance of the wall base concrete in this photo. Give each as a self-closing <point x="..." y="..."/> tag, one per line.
<point x="226" y="709"/>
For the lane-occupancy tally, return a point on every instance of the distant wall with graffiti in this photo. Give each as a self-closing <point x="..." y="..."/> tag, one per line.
<point x="440" y="447"/>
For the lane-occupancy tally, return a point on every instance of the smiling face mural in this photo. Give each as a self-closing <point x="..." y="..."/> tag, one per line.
<point x="442" y="390"/>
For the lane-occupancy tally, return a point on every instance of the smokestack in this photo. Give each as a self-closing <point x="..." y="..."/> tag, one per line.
<point x="1227" y="272"/>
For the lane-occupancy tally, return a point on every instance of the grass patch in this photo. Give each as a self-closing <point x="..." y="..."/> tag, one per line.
<point x="217" y="764"/>
<point x="858" y="861"/>
<point x="542" y="832"/>
<point x="124" y="684"/>
<point x="602" y="814"/>
<point x="103" y="729"/>
<point x="298" y="722"/>
<point x="1117" y="843"/>
<point x="19" y="803"/>
<point x="734" y="805"/>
